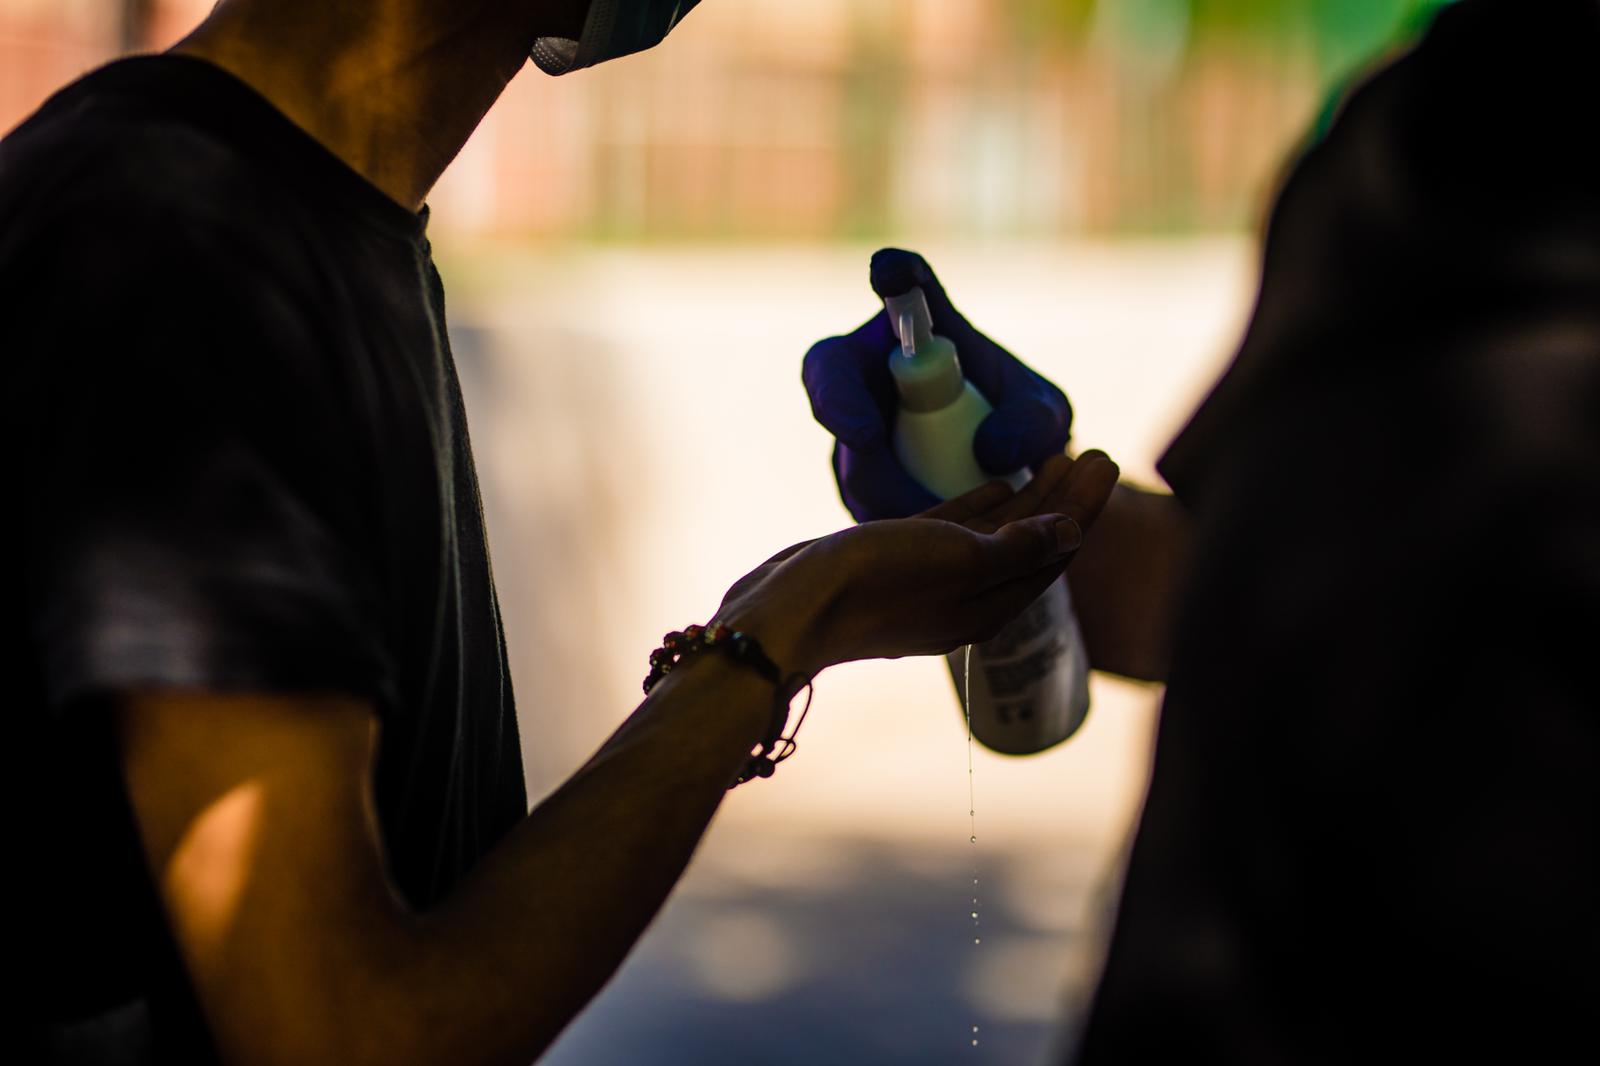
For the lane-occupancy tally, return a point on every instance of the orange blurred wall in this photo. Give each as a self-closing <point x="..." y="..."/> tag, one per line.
<point x="822" y="120"/>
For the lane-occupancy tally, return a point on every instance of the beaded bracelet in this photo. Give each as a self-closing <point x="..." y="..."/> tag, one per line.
<point x="676" y="647"/>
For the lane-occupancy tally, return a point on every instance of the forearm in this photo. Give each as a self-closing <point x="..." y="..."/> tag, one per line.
<point x="1125" y="581"/>
<point x="258" y="819"/>
<point x="258" y="822"/>
<point x="518" y="949"/>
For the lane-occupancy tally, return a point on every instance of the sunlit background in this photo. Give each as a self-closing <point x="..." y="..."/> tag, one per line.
<point x="638" y="256"/>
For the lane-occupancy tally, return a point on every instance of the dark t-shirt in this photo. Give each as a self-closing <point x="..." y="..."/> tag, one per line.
<point x="242" y="464"/>
<point x="1374" y="818"/>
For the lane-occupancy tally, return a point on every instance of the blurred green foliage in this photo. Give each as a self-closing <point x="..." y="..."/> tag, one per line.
<point x="1339" y="33"/>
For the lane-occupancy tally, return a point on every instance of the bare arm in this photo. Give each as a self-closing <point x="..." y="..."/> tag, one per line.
<point x="1126" y="579"/>
<point x="257" y="818"/>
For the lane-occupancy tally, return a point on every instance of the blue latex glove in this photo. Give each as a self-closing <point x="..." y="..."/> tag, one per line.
<point x="853" y="396"/>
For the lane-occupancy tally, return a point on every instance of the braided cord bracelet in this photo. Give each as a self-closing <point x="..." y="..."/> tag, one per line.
<point x="775" y="746"/>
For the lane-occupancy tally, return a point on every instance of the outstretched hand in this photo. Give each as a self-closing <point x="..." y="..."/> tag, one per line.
<point x="954" y="575"/>
<point x="852" y="395"/>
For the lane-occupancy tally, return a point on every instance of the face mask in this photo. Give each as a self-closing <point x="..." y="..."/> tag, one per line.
<point x="613" y="28"/>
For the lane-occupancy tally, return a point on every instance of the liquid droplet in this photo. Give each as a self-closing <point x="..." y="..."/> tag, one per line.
<point x="972" y="804"/>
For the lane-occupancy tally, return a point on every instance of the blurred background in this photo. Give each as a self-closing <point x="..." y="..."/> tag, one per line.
<point x="637" y="258"/>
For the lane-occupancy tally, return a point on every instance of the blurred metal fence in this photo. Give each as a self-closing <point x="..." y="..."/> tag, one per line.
<point x="768" y="119"/>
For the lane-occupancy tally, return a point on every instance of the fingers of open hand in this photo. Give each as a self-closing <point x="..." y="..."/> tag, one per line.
<point x="920" y="586"/>
<point x="1027" y="501"/>
<point x="1082" y="493"/>
<point x="1020" y="548"/>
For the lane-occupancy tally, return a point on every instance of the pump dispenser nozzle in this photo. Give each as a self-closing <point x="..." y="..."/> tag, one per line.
<point x="897" y="277"/>
<point x="926" y="367"/>
<point x="912" y="321"/>
<point x="908" y="335"/>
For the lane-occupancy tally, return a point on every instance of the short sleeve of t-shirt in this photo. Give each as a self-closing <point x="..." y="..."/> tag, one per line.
<point x="194" y="507"/>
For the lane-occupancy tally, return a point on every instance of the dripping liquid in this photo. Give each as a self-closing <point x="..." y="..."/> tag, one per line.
<point x="972" y="807"/>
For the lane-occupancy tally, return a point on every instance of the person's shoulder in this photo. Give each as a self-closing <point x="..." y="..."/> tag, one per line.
<point x="131" y="233"/>
<point x="107" y="165"/>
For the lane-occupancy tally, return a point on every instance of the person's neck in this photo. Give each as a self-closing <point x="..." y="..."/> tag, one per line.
<point x="392" y="87"/>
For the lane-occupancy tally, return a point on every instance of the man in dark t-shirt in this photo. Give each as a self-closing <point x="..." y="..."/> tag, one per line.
<point x="227" y="504"/>
<point x="1373" y="826"/>
<point x="270" y="800"/>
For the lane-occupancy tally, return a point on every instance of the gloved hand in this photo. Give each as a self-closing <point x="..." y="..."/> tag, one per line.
<point x="853" y="396"/>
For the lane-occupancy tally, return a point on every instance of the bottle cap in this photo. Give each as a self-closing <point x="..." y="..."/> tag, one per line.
<point x="925" y="367"/>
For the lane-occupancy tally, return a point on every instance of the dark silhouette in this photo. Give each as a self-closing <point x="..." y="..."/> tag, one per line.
<point x="1374" y="820"/>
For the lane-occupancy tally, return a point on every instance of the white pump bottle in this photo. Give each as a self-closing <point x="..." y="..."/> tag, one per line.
<point x="1030" y="684"/>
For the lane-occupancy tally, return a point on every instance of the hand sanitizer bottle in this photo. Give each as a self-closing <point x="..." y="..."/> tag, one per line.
<point x="1030" y="687"/>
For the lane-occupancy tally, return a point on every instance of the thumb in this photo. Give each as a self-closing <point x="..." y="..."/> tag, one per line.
<point x="1022" y="547"/>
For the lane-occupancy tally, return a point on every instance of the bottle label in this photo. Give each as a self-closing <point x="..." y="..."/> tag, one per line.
<point x="1023" y="630"/>
<point x="1030" y="682"/>
<point x="1011" y="680"/>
